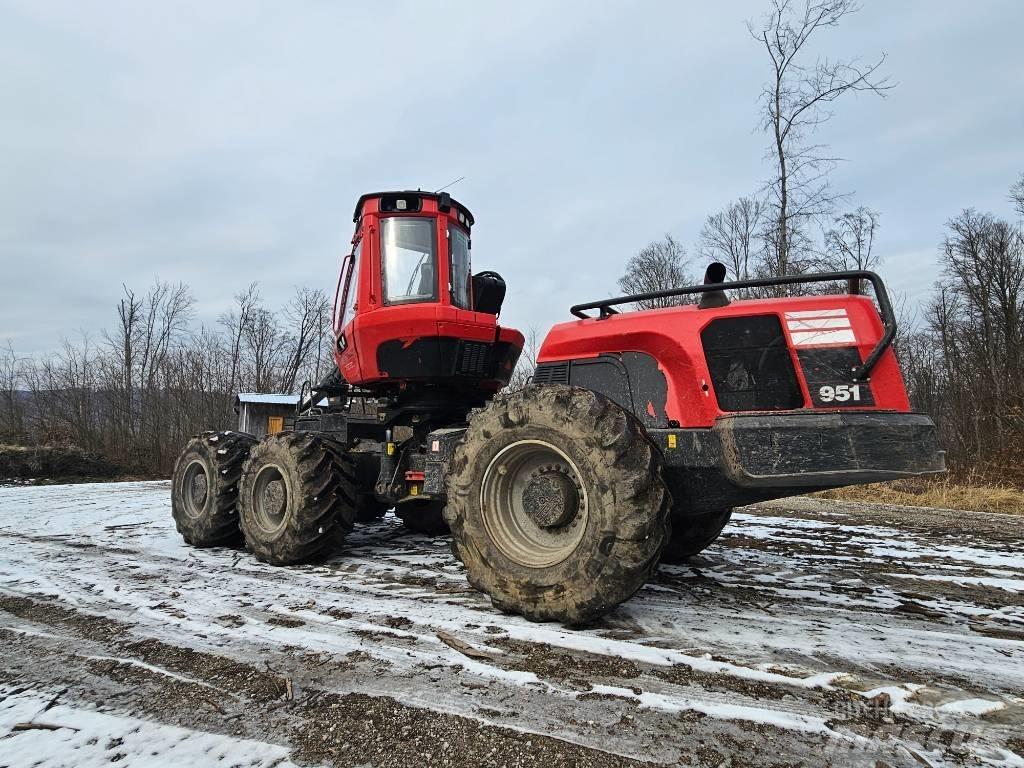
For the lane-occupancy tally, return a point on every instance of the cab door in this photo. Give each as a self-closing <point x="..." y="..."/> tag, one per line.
<point x="346" y="305"/>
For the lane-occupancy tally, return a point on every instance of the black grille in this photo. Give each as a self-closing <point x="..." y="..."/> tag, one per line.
<point x="472" y="358"/>
<point x="552" y="373"/>
<point x="751" y="369"/>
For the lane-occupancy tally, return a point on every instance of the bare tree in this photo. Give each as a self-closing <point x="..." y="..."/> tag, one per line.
<point x="264" y="346"/>
<point x="527" y="363"/>
<point x="850" y="243"/>
<point x="12" y="407"/>
<point x="166" y="312"/>
<point x="1017" y="196"/>
<point x="734" y="236"/>
<point x="308" y="314"/>
<point x="794" y="103"/>
<point x="128" y="372"/>
<point x="235" y="323"/>
<point x="123" y="347"/>
<point x="659" y="266"/>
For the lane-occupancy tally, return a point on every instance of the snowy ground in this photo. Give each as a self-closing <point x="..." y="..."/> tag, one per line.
<point x="813" y="632"/>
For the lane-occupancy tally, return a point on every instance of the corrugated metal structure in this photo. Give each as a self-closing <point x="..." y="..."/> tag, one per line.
<point x="261" y="414"/>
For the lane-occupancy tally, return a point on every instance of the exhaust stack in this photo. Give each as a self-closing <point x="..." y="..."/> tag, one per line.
<point x="710" y="299"/>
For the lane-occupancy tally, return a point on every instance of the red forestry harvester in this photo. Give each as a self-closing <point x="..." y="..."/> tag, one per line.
<point x="638" y="435"/>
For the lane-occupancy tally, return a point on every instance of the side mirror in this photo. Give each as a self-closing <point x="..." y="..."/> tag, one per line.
<point x="488" y="292"/>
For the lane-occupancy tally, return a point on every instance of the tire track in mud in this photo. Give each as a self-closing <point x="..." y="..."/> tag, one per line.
<point x="190" y="688"/>
<point x="214" y="694"/>
<point x="785" y="635"/>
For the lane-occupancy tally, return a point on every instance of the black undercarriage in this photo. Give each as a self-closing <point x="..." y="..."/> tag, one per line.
<point x="404" y="441"/>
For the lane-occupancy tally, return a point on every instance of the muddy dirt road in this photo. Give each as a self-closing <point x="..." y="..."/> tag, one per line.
<point x="815" y="633"/>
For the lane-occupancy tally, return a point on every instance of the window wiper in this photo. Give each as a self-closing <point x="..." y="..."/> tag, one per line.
<point x="415" y="274"/>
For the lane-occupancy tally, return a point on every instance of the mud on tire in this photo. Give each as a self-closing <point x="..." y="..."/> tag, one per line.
<point x="297" y="497"/>
<point x="693" y="534"/>
<point x="204" y="487"/>
<point x="423" y="517"/>
<point x="587" y="478"/>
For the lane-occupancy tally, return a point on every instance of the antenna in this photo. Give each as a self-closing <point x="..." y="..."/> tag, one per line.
<point x="449" y="184"/>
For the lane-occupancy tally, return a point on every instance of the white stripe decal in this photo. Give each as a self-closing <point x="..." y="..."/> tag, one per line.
<point x="810" y="338"/>
<point x="818" y="325"/>
<point x="816" y="313"/>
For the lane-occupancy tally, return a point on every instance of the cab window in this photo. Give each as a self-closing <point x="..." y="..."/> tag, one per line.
<point x="408" y="259"/>
<point x="459" y="270"/>
<point x="351" y="286"/>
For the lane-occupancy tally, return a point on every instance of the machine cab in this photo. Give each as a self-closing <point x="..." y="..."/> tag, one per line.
<point x="408" y="307"/>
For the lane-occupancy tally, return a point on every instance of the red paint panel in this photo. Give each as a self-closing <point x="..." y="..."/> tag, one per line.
<point x="672" y="337"/>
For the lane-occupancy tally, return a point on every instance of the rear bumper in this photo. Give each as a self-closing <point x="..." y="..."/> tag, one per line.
<point x="827" y="449"/>
<point x="752" y="457"/>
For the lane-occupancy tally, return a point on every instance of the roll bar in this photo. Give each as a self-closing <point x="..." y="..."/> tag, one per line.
<point x="852" y="277"/>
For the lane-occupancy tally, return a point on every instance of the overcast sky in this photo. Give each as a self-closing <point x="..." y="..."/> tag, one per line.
<point x="217" y="143"/>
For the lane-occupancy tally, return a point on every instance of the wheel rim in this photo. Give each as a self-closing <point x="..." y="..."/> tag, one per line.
<point x="270" y="495"/>
<point x="533" y="504"/>
<point x="195" y="488"/>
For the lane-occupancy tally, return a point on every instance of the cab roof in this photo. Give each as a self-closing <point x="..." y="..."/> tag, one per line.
<point x="440" y="198"/>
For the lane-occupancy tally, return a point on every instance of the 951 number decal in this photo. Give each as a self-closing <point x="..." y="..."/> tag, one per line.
<point x="829" y="375"/>
<point x="839" y="393"/>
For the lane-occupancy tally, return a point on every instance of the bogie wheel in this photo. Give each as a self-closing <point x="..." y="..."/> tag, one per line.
<point x="297" y="497"/>
<point x="694" y="533"/>
<point x="204" y="487"/>
<point x="423" y="517"/>
<point x="556" y="503"/>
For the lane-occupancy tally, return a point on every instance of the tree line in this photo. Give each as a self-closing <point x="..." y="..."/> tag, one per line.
<point x="136" y="393"/>
<point x="963" y="358"/>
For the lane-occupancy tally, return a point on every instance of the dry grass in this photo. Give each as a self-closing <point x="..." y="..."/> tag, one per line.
<point x="946" y="494"/>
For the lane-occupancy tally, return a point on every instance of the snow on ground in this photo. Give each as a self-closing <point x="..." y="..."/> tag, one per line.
<point x="63" y="735"/>
<point x="834" y="637"/>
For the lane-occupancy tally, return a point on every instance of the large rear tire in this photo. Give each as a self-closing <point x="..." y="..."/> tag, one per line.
<point x="694" y="534"/>
<point x="204" y="488"/>
<point x="425" y="517"/>
<point x="297" y="498"/>
<point x="556" y="503"/>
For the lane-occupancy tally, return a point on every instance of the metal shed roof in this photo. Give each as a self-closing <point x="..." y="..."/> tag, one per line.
<point x="267" y="399"/>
